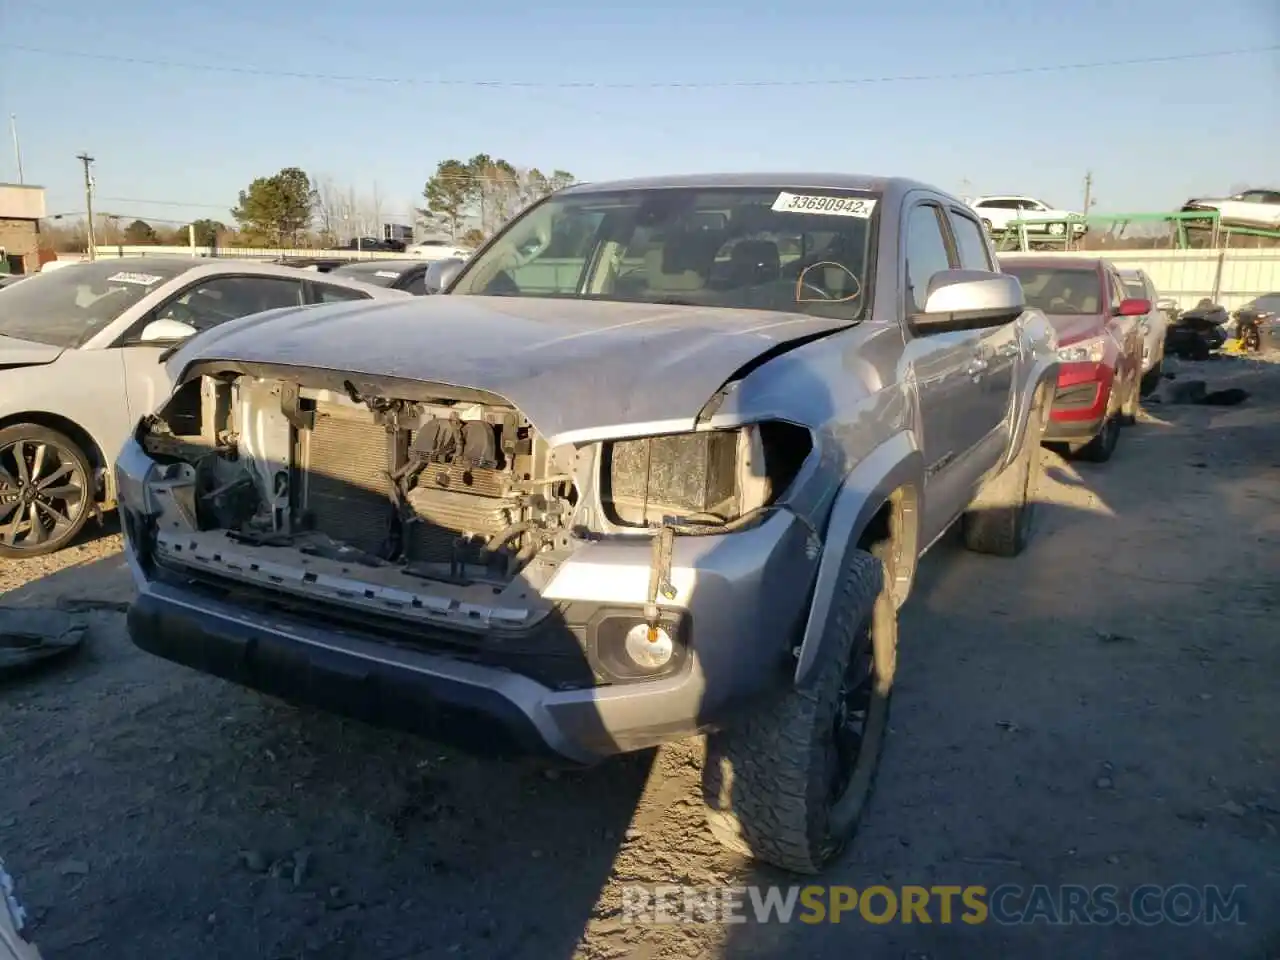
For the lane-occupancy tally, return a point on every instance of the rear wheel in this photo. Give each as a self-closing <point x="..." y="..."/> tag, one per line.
<point x="45" y="492"/>
<point x="789" y="785"/>
<point x="1000" y="520"/>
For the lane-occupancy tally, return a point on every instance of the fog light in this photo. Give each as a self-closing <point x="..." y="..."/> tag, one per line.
<point x="649" y="647"/>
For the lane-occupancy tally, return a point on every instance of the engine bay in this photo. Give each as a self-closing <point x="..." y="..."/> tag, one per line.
<point x="444" y="504"/>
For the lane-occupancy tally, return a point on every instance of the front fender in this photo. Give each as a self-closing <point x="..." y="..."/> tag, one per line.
<point x="896" y="464"/>
<point x="1040" y="378"/>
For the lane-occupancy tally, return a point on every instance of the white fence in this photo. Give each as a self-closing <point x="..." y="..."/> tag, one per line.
<point x="1229" y="277"/>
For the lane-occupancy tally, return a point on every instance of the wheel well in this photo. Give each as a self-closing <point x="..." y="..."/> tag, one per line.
<point x="891" y="534"/>
<point x="73" y="432"/>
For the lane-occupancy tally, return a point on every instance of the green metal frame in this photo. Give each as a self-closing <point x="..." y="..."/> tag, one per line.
<point x="1015" y="236"/>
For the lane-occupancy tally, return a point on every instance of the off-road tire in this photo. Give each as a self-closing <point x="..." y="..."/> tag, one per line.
<point x="999" y="521"/>
<point x="1151" y="379"/>
<point x="1102" y="446"/>
<point x="68" y="452"/>
<point x="766" y="781"/>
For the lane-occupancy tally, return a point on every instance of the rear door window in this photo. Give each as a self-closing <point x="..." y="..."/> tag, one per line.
<point x="971" y="243"/>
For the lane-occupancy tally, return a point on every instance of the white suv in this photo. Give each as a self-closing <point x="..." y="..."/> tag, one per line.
<point x="1255" y="209"/>
<point x="999" y="212"/>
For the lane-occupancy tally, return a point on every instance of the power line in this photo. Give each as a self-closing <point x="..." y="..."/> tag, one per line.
<point x="168" y="203"/>
<point x="657" y="84"/>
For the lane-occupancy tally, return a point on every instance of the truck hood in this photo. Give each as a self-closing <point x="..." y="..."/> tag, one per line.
<point x="578" y="369"/>
<point x="26" y="353"/>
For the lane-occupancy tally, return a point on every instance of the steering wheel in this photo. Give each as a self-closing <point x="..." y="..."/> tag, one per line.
<point x="803" y="284"/>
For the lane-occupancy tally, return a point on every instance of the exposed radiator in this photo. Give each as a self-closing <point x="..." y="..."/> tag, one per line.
<point x="345" y="484"/>
<point x="447" y="515"/>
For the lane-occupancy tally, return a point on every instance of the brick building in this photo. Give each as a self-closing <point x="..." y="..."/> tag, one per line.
<point x="21" y="208"/>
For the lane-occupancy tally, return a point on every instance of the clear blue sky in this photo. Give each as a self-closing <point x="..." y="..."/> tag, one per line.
<point x="1152" y="134"/>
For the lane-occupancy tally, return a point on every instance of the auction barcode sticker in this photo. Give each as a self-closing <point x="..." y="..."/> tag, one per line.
<point x="143" y="279"/>
<point x="829" y="206"/>
<point x="387" y="274"/>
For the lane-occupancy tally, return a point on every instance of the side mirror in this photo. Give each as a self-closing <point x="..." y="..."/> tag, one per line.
<point x="441" y="273"/>
<point x="1133" y="307"/>
<point x="969" y="300"/>
<point x="165" y="331"/>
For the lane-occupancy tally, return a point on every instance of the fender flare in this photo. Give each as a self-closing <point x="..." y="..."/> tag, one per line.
<point x="1043" y="374"/>
<point x="895" y="464"/>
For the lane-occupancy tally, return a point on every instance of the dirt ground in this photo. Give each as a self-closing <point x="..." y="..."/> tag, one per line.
<point x="1103" y="710"/>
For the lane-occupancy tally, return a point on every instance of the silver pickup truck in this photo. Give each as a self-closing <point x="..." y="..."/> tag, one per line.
<point x="660" y="460"/>
<point x="13" y="946"/>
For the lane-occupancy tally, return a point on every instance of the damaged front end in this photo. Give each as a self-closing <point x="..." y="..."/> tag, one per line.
<point x="437" y="519"/>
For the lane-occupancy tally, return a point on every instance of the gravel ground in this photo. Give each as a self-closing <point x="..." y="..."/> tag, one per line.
<point x="1101" y="711"/>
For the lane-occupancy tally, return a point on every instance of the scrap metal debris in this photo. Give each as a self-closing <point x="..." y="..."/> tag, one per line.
<point x="30" y="635"/>
<point x="1196" y="391"/>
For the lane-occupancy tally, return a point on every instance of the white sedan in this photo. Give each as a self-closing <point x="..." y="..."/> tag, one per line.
<point x="1155" y="324"/>
<point x="81" y="361"/>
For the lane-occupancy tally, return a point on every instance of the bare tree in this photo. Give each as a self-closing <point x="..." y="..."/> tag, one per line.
<point x="329" y="204"/>
<point x="343" y="213"/>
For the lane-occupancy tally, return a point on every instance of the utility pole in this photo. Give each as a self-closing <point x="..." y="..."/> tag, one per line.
<point x="88" y="203"/>
<point x="17" y="150"/>
<point x="1088" y="191"/>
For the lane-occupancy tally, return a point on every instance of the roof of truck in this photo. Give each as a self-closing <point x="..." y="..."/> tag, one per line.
<point x="813" y="181"/>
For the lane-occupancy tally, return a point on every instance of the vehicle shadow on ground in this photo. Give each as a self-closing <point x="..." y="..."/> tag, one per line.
<point x="149" y="810"/>
<point x="156" y="811"/>
<point x="1039" y="706"/>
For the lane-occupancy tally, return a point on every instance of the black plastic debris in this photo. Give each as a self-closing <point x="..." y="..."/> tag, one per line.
<point x="31" y="635"/>
<point x="1195" y="391"/>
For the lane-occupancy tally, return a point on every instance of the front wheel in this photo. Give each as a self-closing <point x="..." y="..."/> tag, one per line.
<point x="1130" y="405"/>
<point x="1151" y="379"/>
<point x="790" y="784"/>
<point x="45" y="492"/>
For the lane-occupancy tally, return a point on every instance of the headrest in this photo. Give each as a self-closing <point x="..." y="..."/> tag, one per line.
<point x="756" y="253"/>
<point x="686" y="250"/>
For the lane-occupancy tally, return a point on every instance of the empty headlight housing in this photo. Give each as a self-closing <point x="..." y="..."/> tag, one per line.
<point x="709" y="476"/>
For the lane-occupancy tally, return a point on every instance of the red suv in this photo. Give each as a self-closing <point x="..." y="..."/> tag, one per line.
<point x="1099" y="346"/>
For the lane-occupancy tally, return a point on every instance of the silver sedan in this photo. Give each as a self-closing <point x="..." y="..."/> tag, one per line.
<point x="81" y="361"/>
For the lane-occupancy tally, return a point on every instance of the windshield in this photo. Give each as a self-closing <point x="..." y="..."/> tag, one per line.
<point x="1059" y="291"/>
<point x="755" y="248"/>
<point x="382" y="275"/>
<point x="67" y="307"/>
